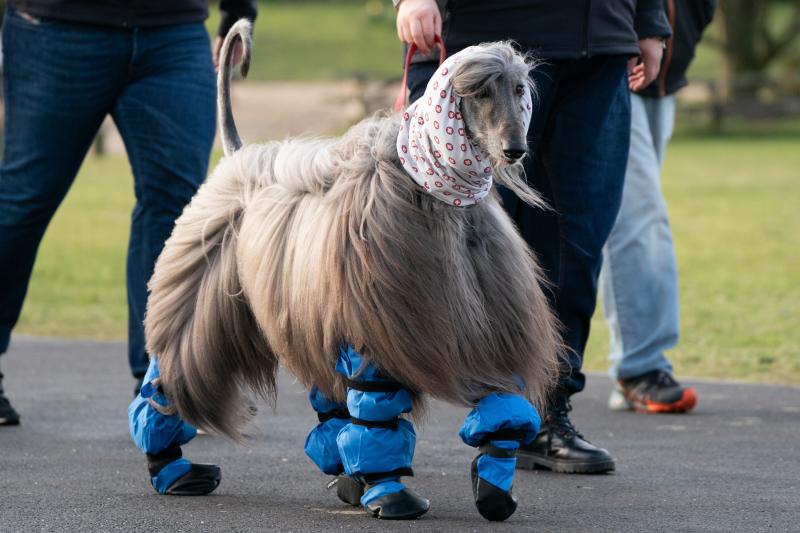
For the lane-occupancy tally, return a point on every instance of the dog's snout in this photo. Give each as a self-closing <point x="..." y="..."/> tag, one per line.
<point x="514" y="152"/>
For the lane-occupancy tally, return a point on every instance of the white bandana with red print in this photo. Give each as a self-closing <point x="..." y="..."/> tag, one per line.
<point x="433" y="145"/>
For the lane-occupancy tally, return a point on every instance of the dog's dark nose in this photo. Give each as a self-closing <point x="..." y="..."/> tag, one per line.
<point x="514" y="152"/>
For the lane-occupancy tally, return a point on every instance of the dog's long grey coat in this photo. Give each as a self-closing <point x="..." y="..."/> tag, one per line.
<point x="291" y="248"/>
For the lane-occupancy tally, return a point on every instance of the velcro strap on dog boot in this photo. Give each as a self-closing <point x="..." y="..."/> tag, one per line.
<point x="497" y="424"/>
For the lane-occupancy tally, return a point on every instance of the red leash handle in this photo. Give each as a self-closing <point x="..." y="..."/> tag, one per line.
<point x="402" y="98"/>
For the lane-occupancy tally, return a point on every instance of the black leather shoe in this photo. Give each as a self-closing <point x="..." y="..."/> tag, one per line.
<point x="561" y="448"/>
<point x="403" y="505"/>
<point x="8" y="416"/>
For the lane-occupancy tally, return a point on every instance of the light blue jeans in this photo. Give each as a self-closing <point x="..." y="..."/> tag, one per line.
<point x="639" y="277"/>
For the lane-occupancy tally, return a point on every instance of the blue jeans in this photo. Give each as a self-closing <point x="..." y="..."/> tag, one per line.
<point x="60" y="81"/>
<point x="578" y="140"/>
<point x="639" y="279"/>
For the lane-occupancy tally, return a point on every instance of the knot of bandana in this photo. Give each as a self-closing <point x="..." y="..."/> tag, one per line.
<point x="433" y="145"/>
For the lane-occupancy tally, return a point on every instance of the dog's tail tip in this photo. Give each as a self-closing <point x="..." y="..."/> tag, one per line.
<point x="243" y="29"/>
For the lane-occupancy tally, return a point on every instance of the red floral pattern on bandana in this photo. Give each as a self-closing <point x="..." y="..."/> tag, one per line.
<point x="433" y="146"/>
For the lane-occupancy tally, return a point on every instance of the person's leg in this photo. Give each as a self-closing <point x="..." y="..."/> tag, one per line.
<point x="639" y="279"/>
<point x="639" y="276"/>
<point x="59" y="81"/>
<point x="579" y="162"/>
<point x="165" y="115"/>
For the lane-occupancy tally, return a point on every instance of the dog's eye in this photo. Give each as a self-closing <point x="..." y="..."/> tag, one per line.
<point x="520" y="90"/>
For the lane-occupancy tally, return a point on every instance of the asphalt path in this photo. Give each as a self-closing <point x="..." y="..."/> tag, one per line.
<point x="732" y="465"/>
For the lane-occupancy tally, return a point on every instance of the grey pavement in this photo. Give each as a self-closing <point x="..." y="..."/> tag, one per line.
<point x="732" y="465"/>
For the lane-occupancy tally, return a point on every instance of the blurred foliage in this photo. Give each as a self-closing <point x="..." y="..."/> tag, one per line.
<point x="754" y="36"/>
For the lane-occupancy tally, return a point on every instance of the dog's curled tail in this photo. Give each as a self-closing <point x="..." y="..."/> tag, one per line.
<point x="242" y="32"/>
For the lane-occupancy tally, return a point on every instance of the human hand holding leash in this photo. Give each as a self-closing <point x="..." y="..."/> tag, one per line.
<point x="641" y="74"/>
<point x="419" y="22"/>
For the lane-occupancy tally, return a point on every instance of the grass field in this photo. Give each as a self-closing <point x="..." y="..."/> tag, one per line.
<point x="734" y="207"/>
<point x="333" y="39"/>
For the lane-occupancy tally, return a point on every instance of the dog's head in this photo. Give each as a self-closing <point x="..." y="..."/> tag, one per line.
<point x="492" y="81"/>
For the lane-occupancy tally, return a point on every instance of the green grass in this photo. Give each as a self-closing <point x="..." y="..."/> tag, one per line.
<point x="734" y="206"/>
<point x="334" y="39"/>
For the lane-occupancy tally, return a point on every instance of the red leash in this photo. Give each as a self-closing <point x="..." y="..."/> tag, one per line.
<point x="402" y="98"/>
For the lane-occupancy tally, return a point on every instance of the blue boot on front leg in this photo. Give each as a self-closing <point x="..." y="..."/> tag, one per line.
<point x="377" y="445"/>
<point x="497" y="425"/>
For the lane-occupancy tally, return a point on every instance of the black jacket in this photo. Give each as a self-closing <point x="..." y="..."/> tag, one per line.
<point x="557" y="29"/>
<point x="136" y="13"/>
<point x="688" y="19"/>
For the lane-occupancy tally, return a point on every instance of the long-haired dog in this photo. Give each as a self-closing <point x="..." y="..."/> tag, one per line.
<point x="292" y="248"/>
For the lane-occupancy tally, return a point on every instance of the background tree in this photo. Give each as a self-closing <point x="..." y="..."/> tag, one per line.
<point x="754" y="35"/>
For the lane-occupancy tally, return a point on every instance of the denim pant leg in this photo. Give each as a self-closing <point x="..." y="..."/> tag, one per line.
<point x="59" y="81"/>
<point x="166" y="118"/>
<point x="578" y="139"/>
<point x="639" y="279"/>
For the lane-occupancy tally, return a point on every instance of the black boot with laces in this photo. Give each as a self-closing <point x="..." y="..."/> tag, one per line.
<point x="8" y="416"/>
<point x="561" y="448"/>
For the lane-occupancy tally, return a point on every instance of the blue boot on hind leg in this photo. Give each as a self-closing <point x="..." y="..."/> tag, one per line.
<point x="159" y="433"/>
<point x="376" y="445"/>
<point x="321" y="446"/>
<point x="496" y="426"/>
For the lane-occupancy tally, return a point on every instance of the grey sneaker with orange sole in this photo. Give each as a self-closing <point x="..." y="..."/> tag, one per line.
<point x="653" y="392"/>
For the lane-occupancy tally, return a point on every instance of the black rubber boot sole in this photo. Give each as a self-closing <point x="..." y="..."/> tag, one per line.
<point x="492" y="502"/>
<point x="403" y="505"/>
<point x="349" y="490"/>
<point x="200" y="480"/>
<point x="530" y="461"/>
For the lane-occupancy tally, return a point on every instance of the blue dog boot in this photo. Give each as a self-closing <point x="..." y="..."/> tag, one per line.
<point x="159" y="432"/>
<point x="171" y="474"/>
<point x="496" y="426"/>
<point x="376" y="446"/>
<point x="492" y="473"/>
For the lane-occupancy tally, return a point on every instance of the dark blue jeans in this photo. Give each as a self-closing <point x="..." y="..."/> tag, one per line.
<point x="60" y="81"/>
<point x="578" y="140"/>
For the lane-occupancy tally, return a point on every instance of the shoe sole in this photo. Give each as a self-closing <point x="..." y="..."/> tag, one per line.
<point x="535" y="462"/>
<point x="687" y="402"/>
<point x="9" y="421"/>
<point x="349" y="490"/>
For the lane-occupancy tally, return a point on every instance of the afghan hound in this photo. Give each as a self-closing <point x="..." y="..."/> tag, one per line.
<point x="388" y="240"/>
